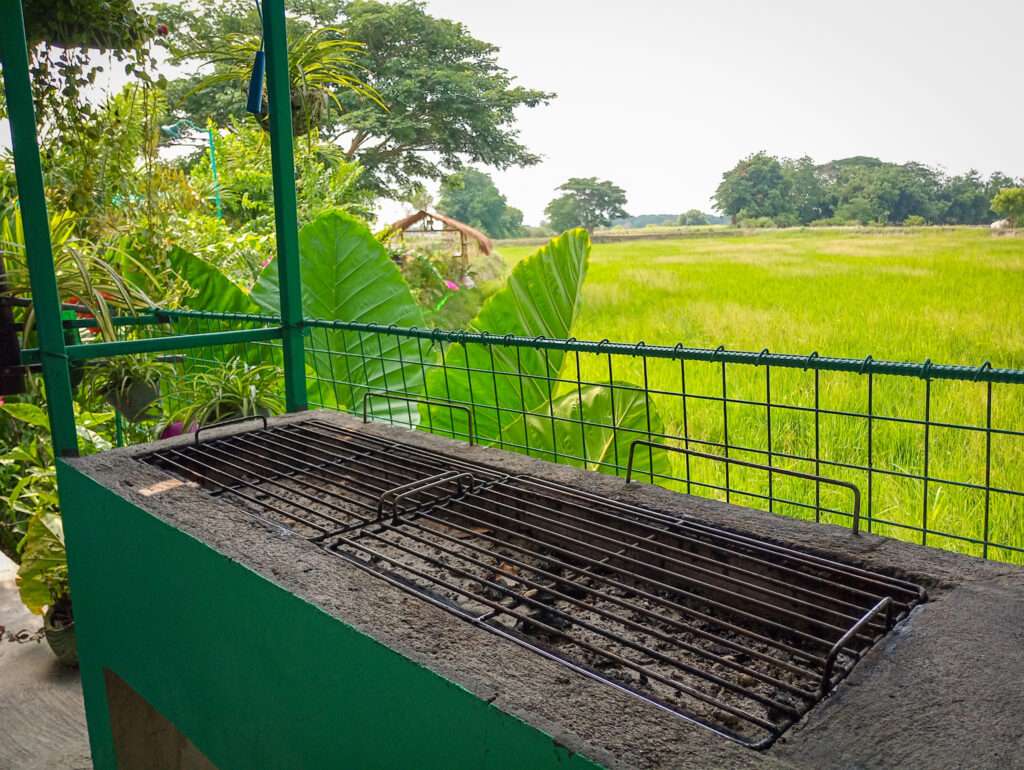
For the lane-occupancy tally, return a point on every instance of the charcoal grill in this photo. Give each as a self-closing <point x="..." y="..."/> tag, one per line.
<point x="738" y="635"/>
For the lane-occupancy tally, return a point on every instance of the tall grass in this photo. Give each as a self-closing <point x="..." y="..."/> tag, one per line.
<point x="952" y="296"/>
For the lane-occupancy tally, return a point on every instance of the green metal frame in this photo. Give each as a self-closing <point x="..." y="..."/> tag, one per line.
<point x="36" y="222"/>
<point x="53" y="355"/>
<point x="759" y="429"/>
<point x="283" y="166"/>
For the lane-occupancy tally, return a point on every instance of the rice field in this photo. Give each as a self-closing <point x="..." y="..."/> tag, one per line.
<point x="954" y="296"/>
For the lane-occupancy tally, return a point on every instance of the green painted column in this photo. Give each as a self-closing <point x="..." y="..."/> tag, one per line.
<point x="32" y="201"/>
<point x="283" y="165"/>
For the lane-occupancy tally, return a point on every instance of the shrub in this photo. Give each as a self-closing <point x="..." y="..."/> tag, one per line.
<point x="758" y="222"/>
<point x="915" y="220"/>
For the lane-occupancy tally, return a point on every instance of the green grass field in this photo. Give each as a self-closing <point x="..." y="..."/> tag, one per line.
<point x="954" y="296"/>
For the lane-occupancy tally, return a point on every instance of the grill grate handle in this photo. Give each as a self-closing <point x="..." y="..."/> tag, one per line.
<point x="232" y="421"/>
<point x="854" y="490"/>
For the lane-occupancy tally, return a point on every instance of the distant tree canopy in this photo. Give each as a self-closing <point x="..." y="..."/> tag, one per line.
<point x="586" y="202"/>
<point x="449" y="101"/>
<point x="693" y="217"/>
<point x="472" y="197"/>
<point x="856" y="190"/>
<point x="1009" y="203"/>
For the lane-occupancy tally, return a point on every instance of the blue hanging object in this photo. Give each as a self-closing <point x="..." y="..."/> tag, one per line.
<point x="254" y="103"/>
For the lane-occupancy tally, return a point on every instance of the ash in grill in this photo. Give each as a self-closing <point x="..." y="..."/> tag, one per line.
<point x="738" y="635"/>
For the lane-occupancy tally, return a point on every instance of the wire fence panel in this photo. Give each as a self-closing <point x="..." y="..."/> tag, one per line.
<point x="936" y="452"/>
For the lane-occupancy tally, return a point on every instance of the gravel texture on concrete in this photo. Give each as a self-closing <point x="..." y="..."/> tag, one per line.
<point x="943" y="691"/>
<point x="42" y="718"/>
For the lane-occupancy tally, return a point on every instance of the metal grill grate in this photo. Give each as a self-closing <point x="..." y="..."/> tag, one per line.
<point x="738" y="635"/>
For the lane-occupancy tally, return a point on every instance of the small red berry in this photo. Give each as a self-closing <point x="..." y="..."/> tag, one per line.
<point x="162" y="30"/>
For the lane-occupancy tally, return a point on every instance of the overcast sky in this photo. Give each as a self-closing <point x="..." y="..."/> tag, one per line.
<point x="662" y="96"/>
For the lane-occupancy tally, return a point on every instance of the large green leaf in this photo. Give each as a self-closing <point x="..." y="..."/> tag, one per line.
<point x="593" y="427"/>
<point x="43" y="572"/>
<point x="215" y="292"/>
<point x="347" y="275"/>
<point x="212" y="290"/>
<point x="540" y="299"/>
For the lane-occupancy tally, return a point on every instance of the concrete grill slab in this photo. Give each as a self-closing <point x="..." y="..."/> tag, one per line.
<point x="918" y="700"/>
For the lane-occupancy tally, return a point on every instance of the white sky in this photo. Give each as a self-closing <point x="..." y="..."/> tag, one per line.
<point x="662" y="96"/>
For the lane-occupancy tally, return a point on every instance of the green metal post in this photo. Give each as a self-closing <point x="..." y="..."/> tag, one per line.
<point x="39" y="251"/>
<point x="283" y="164"/>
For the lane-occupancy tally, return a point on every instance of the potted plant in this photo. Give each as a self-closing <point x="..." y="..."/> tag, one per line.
<point x="130" y="384"/>
<point x="229" y="390"/>
<point x="43" y="583"/>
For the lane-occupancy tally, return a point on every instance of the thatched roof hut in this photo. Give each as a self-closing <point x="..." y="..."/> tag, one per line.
<point x="427" y="223"/>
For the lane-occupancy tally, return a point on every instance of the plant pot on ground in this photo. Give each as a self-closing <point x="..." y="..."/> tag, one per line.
<point x="43" y="582"/>
<point x="59" y="629"/>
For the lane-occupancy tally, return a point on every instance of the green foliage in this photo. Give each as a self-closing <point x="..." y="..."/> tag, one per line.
<point x="238" y="251"/>
<point x="87" y="273"/>
<point x="322" y="64"/>
<point x="1009" y="203"/>
<point x="210" y="289"/>
<point x="693" y="217"/>
<point x="915" y="220"/>
<point x="347" y="274"/>
<point x="471" y="197"/>
<point x="93" y="168"/>
<point x="27" y="475"/>
<point x="756" y="187"/>
<point x="324" y="179"/>
<point x="857" y="190"/>
<point x="227" y="391"/>
<point x="103" y="24"/>
<point x="43" y="572"/>
<point x="586" y="203"/>
<point x="541" y="299"/>
<point x="449" y="101"/>
<point x="123" y="380"/>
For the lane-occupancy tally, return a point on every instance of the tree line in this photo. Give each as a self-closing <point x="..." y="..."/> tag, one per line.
<point x="764" y="189"/>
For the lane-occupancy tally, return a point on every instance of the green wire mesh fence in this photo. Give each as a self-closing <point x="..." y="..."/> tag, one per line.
<point x="935" y="452"/>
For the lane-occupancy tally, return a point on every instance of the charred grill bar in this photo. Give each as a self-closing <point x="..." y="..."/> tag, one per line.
<point x="736" y="634"/>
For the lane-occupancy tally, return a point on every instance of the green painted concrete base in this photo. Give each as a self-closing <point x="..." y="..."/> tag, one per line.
<point x="255" y="676"/>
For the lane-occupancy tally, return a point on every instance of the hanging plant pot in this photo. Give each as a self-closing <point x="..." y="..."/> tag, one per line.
<point x="309" y="105"/>
<point x="59" y="629"/>
<point x="134" y="401"/>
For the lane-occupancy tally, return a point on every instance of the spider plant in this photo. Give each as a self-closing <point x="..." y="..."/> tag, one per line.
<point x="230" y="390"/>
<point x="130" y="384"/>
<point x="320" y="63"/>
<point x="87" y="274"/>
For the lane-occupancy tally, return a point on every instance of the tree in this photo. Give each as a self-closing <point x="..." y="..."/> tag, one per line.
<point x="693" y="217"/>
<point x="472" y="197"/>
<point x="966" y="200"/>
<point x="809" y="198"/>
<point x="755" y="187"/>
<point x="322" y="65"/>
<point x="1009" y="203"/>
<point x="586" y="203"/>
<point x="449" y="101"/>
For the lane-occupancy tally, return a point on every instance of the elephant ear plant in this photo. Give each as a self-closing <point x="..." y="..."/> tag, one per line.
<point x="528" y="398"/>
<point x="347" y="274"/>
